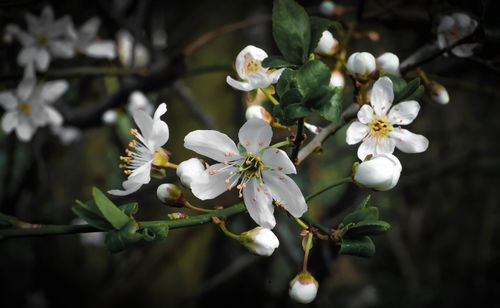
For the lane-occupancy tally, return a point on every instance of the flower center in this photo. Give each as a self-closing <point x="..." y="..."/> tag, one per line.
<point x="252" y="166"/>
<point x="380" y="127"/>
<point x="43" y="40"/>
<point x="25" y="107"/>
<point x="139" y="154"/>
<point x="251" y="65"/>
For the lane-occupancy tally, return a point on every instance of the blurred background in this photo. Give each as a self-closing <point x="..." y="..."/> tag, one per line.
<point x="442" y="250"/>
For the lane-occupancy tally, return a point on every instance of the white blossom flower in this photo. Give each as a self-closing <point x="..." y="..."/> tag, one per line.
<point x="146" y="151"/>
<point x="45" y="38"/>
<point x="327" y="44"/>
<point x="249" y="68"/>
<point x="453" y="28"/>
<point x="388" y="63"/>
<point x="337" y="79"/>
<point x="381" y="172"/>
<point x="327" y="8"/>
<point x="189" y="170"/>
<point x="171" y="195"/>
<point x="109" y="117"/>
<point x="137" y="100"/>
<point x="87" y="43"/>
<point x="66" y="134"/>
<point x="258" y="112"/>
<point x="378" y="125"/>
<point x="128" y="51"/>
<point x="257" y="171"/>
<point x="303" y="288"/>
<point x="260" y="241"/>
<point x="29" y="107"/>
<point x="361" y="63"/>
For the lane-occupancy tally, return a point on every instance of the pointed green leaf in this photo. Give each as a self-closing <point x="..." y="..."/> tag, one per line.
<point x="109" y="210"/>
<point x="332" y="110"/>
<point x="311" y="77"/>
<point x="361" y="247"/>
<point x="363" y="204"/>
<point x="276" y="62"/>
<point x="92" y="219"/>
<point x="291" y="30"/>
<point x="365" y="214"/>
<point x="286" y="81"/>
<point x="296" y="111"/>
<point x="366" y="228"/>
<point x="416" y="95"/>
<point x="398" y="85"/>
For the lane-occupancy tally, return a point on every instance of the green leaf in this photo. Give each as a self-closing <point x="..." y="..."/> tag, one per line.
<point x="276" y="62"/>
<point x="296" y="111"/>
<point x="291" y="97"/>
<point x="92" y="219"/>
<point x="332" y="110"/>
<point x="318" y="26"/>
<point x="398" y="85"/>
<point x="311" y="77"/>
<point x="291" y="30"/>
<point x="361" y="247"/>
<point x="286" y="81"/>
<point x="407" y="93"/>
<point x="363" y="204"/>
<point x="157" y="232"/>
<point x="365" y="214"/>
<point x="120" y="239"/>
<point x="279" y="113"/>
<point x="109" y="210"/>
<point x="416" y="95"/>
<point x="366" y="228"/>
<point x="129" y="209"/>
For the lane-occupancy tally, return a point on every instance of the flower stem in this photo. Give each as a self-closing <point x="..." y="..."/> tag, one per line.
<point x="335" y="184"/>
<point x="170" y="165"/>
<point x="301" y="223"/>
<point x="298" y="140"/>
<point x="224" y="229"/>
<point x="270" y="97"/>
<point x="281" y="144"/>
<point x="199" y="209"/>
<point x="308" y="248"/>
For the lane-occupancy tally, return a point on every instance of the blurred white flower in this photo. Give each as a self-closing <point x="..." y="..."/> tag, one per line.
<point x="138" y="101"/>
<point x="381" y="172"/>
<point x="67" y="134"/>
<point x="45" y="38"/>
<point x="388" y="63"/>
<point x="29" y="106"/>
<point x="337" y="79"/>
<point x="453" y="28"/>
<point x="327" y="8"/>
<point x="327" y="44"/>
<point x="258" y="112"/>
<point x="249" y="68"/>
<point x="153" y="135"/>
<point x="109" y="117"/>
<point x="361" y="63"/>
<point x="87" y="43"/>
<point x="127" y="52"/>
<point x="378" y="125"/>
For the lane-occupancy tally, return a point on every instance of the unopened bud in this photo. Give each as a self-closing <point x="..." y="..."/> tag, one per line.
<point x="109" y="117"/>
<point x="171" y="195"/>
<point x="303" y="288"/>
<point x="337" y="79"/>
<point x="438" y="93"/>
<point x="260" y="241"/>
<point x="381" y="172"/>
<point x="304" y="243"/>
<point x="361" y="63"/>
<point x="327" y="8"/>
<point x="189" y="170"/>
<point x="327" y="44"/>
<point x="388" y="63"/>
<point x="177" y="215"/>
<point x="259" y="112"/>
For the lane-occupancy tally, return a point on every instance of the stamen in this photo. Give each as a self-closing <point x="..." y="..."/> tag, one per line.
<point x="226" y="154"/>
<point x="282" y="177"/>
<point x="229" y="188"/>
<point x="215" y="171"/>
<point x="261" y="184"/>
<point x="280" y="168"/>
<point x="239" y="186"/>
<point x="249" y="153"/>
<point x="227" y="181"/>
<point x="258" y="188"/>
<point x="127" y="172"/>
<point x="248" y="143"/>
<point x="244" y="185"/>
<point x="254" y="198"/>
<point x="266" y="192"/>
<point x="261" y="143"/>
<point x="225" y="162"/>
<point x="240" y="195"/>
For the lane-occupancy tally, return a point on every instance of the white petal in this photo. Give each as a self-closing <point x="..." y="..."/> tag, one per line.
<point x="286" y="192"/>
<point x="208" y="186"/>
<point x="275" y="75"/>
<point x="101" y="49"/>
<point x="278" y="159"/>
<point x="356" y="132"/>
<point x="25" y="129"/>
<point x="259" y="204"/>
<point x="54" y="117"/>
<point x="365" y="114"/>
<point x="385" y="146"/>
<point x="248" y="53"/>
<point x="32" y="22"/>
<point x="42" y="60"/>
<point x="243" y="86"/>
<point x="446" y="23"/>
<point x="464" y="50"/>
<point x="27" y="55"/>
<point x="213" y="144"/>
<point x="255" y="134"/>
<point x="160" y="133"/>
<point x="382" y="95"/>
<point x="366" y="148"/>
<point x="10" y="120"/>
<point x="62" y="48"/>
<point x="404" y="113"/>
<point x="25" y="88"/>
<point x="130" y="187"/>
<point x="144" y="122"/>
<point x="24" y="38"/>
<point x="259" y="80"/>
<point x="52" y="90"/>
<point x="61" y="27"/>
<point x="409" y="142"/>
<point x="47" y="15"/>
<point x="90" y="27"/>
<point x="142" y="174"/>
<point x="8" y="100"/>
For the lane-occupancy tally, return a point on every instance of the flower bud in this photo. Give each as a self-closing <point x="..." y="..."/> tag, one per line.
<point x="438" y="93"/>
<point x="171" y="195"/>
<point x="327" y="8"/>
<point x="109" y="117"/>
<point x="312" y="128"/>
<point x="259" y="112"/>
<point x="337" y="79"/>
<point x="189" y="170"/>
<point x="327" y="44"/>
<point x="361" y="63"/>
<point x="260" y="241"/>
<point x="388" y="63"/>
<point x="381" y="172"/>
<point x="303" y="288"/>
<point x="304" y="243"/>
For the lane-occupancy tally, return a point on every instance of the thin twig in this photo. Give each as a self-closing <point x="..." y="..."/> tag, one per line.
<point x="193" y="106"/>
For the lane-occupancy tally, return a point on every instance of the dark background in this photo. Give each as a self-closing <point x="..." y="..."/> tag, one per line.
<point x="442" y="250"/>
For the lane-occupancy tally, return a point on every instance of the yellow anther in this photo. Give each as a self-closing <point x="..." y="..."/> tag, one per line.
<point x="244" y="185"/>
<point x="266" y="192"/>
<point x="210" y="172"/>
<point x="127" y="172"/>
<point x="226" y="154"/>
<point x="249" y="153"/>
<point x="231" y="173"/>
<point x="280" y="168"/>
<point x="239" y="186"/>
<point x="227" y="181"/>
<point x="240" y="195"/>
<point x="215" y="171"/>
<point x="225" y="162"/>
<point x="254" y="199"/>
<point x="282" y="178"/>
<point x="248" y="143"/>
<point x="261" y="143"/>
<point x="248" y="162"/>
<point x="229" y="188"/>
